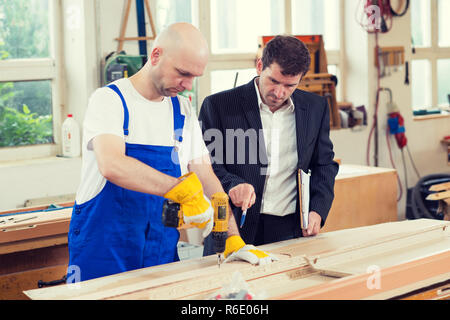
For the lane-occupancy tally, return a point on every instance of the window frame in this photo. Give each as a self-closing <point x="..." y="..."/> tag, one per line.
<point x="433" y="53"/>
<point x="15" y="70"/>
<point x="247" y="60"/>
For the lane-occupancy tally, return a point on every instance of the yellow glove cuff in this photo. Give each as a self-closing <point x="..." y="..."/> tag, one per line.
<point x="189" y="187"/>
<point x="233" y="244"/>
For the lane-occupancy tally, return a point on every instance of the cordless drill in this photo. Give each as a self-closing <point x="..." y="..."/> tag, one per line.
<point x="172" y="216"/>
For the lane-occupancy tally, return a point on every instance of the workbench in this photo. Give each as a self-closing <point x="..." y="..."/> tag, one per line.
<point x="381" y="261"/>
<point x="36" y="248"/>
<point x="363" y="196"/>
<point x="33" y="248"/>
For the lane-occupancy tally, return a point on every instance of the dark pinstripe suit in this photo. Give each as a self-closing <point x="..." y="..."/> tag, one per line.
<point x="238" y="108"/>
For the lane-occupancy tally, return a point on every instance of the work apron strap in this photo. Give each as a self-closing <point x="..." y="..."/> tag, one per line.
<point x="125" y="108"/>
<point x="178" y="119"/>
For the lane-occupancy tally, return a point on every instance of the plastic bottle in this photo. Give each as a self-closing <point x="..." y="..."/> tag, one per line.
<point x="71" y="146"/>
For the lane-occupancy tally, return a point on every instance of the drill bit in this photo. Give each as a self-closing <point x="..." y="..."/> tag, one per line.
<point x="218" y="259"/>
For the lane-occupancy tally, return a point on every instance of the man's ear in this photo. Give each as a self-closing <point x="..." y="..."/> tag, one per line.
<point x="259" y="66"/>
<point x="155" y="56"/>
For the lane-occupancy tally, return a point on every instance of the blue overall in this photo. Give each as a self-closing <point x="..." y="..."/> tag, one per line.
<point x="119" y="229"/>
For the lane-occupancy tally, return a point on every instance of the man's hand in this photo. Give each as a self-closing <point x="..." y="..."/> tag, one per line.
<point x="195" y="206"/>
<point x="236" y="249"/>
<point x="243" y="196"/>
<point x="313" y="224"/>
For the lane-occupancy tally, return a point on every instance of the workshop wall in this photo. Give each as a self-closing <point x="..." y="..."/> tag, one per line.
<point x="423" y="136"/>
<point x="87" y="42"/>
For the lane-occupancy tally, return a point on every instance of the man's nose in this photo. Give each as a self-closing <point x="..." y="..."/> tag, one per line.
<point x="279" y="91"/>
<point x="187" y="83"/>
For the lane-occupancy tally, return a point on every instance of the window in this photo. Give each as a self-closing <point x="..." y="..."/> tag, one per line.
<point x="226" y="79"/>
<point x="444" y="23"/>
<point x="322" y="17"/>
<point x="28" y="89"/>
<point x="420" y="23"/>
<point x="324" y="21"/>
<point x="443" y="75"/>
<point x="421" y="84"/>
<point x="232" y="28"/>
<point x="431" y="59"/>
<point x="236" y="24"/>
<point x="170" y="11"/>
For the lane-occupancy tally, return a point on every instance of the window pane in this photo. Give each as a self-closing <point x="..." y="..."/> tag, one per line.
<point x="420" y="23"/>
<point x="225" y="79"/>
<point x="171" y="11"/>
<point x="443" y="67"/>
<point x="236" y="24"/>
<point x="317" y="17"/>
<point x="334" y="69"/>
<point x="25" y="113"/>
<point x="444" y="23"/>
<point x="421" y="84"/>
<point x="24" y="29"/>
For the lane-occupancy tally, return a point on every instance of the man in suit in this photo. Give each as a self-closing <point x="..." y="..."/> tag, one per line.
<point x="260" y="134"/>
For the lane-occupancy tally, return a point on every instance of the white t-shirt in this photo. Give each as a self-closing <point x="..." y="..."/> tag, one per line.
<point x="150" y="123"/>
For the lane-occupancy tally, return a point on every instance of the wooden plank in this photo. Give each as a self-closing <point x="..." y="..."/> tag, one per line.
<point x="34" y="231"/>
<point x="440" y="187"/>
<point x="441" y="291"/>
<point x="31" y="244"/>
<point x="393" y="280"/>
<point x="34" y="225"/>
<point x="295" y="270"/>
<point x="36" y="208"/>
<point x="439" y="195"/>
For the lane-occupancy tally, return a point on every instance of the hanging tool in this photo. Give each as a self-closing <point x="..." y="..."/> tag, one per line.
<point x="172" y="216"/>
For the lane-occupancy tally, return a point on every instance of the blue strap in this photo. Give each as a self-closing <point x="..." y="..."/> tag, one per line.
<point x="125" y="108"/>
<point x="178" y="119"/>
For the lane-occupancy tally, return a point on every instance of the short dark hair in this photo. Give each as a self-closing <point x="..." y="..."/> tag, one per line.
<point x="289" y="52"/>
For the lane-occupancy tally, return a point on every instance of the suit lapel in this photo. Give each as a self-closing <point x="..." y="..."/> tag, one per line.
<point x="250" y="106"/>
<point x="252" y="114"/>
<point x="301" y="122"/>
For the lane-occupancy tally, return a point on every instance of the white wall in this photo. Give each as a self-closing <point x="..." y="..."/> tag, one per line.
<point x="423" y="136"/>
<point x="87" y="42"/>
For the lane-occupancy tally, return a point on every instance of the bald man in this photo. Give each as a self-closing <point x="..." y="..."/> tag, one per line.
<point x="141" y="144"/>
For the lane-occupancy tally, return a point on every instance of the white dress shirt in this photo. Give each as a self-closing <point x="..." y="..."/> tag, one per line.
<point x="279" y="195"/>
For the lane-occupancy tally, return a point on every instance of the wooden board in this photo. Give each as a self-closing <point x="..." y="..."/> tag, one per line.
<point x="440" y="187"/>
<point x="439" y="195"/>
<point x="27" y="228"/>
<point x="304" y="264"/>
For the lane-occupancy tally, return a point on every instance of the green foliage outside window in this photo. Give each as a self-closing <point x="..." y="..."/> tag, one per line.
<point x="25" y="106"/>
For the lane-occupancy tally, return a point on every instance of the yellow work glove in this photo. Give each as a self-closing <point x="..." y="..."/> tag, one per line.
<point x="196" y="207"/>
<point x="236" y="249"/>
